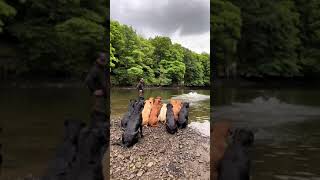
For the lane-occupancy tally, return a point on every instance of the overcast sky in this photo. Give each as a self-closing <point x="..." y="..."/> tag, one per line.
<point x="186" y="22"/>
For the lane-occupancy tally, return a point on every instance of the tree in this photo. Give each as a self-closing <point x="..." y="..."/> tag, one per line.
<point x="6" y="11"/>
<point x="225" y="24"/>
<point x="309" y="53"/>
<point x="157" y="60"/>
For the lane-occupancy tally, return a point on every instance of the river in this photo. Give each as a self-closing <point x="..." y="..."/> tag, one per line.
<point x="32" y="119"/>
<point x="286" y="123"/>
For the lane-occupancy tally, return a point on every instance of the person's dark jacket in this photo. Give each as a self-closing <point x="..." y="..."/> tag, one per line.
<point x="140" y="86"/>
<point x="97" y="79"/>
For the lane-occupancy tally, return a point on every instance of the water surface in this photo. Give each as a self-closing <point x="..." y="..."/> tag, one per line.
<point x="286" y="122"/>
<point x="32" y="120"/>
<point x="199" y="100"/>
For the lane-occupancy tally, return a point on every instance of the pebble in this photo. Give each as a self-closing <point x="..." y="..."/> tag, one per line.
<point x="150" y="164"/>
<point x="131" y="176"/>
<point x="138" y="164"/>
<point x="153" y="154"/>
<point x="140" y="173"/>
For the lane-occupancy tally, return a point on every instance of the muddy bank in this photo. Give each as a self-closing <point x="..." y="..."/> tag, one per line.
<point x="159" y="155"/>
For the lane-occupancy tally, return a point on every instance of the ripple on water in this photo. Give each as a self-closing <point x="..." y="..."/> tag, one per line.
<point x="202" y="127"/>
<point x="192" y="97"/>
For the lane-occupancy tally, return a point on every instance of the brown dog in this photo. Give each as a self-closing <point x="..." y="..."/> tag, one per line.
<point x="155" y="110"/>
<point x="176" y="107"/>
<point x="146" y="111"/>
<point x="221" y="130"/>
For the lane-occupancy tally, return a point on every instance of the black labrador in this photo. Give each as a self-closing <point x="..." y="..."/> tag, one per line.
<point x="183" y="115"/>
<point x="235" y="164"/>
<point x="127" y="115"/>
<point x="66" y="153"/>
<point x="93" y="142"/>
<point x="130" y="135"/>
<point x="171" y="124"/>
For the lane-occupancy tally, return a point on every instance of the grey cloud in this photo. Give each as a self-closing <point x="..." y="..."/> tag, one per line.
<point x="189" y="17"/>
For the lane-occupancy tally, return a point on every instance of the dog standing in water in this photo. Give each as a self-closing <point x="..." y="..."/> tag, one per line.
<point x="221" y="132"/>
<point x="155" y="110"/>
<point x="235" y="164"/>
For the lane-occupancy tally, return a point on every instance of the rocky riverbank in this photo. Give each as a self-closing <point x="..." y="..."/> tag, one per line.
<point x="159" y="155"/>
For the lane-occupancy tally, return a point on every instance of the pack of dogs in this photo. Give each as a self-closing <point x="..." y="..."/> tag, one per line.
<point x="230" y="152"/>
<point x="150" y="112"/>
<point x="80" y="154"/>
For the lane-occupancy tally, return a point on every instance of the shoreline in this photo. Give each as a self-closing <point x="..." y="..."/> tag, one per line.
<point x="71" y="83"/>
<point x="184" y="155"/>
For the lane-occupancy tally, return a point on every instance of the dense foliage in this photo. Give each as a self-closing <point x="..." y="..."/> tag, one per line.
<point x="57" y="38"/>
<point x="157" y="60"/>
<point x="276" y="38"/>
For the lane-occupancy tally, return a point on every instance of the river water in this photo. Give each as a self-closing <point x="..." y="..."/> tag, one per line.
<point x="199" y="100"/>
<point x="32" y="120"/>
<point x="286" y="123"/>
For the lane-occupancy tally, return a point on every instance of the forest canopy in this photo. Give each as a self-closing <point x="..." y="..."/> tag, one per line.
<point x="43" y="39"/>
<point x="275" y="38"/>
<point x="158" y="60"/>
<point x="51" y="39"/>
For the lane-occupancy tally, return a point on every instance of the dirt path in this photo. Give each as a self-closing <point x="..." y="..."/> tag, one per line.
<point x="159" y="155"/>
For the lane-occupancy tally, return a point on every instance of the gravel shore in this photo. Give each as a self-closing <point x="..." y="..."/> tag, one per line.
<point x="159" y="155"/>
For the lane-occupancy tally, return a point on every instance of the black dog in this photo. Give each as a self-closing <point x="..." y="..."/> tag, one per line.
<point x="130" y="135"/>
<point x="171" y="125"/>
<point x="93" y="142"/>
<point x="126" y="117"/>
<point x="88" y="165"/>
<point x="183" y="115"/>
<point x="66" y="152"/>
<point x="235" y="165"/>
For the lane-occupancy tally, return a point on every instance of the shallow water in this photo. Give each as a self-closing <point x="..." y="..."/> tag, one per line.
<point x="286" y="123"/>
<point x="199" y="100"/>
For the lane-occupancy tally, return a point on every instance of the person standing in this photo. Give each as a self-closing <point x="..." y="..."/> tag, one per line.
<point x="96" y="81"/>
<point x="140" y="87"/>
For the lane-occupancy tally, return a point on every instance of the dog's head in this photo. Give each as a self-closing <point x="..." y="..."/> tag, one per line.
<point x="169" y="106"/>
<point x="129" y="139"/>
<point x="243" y="136"/>
<point x="186" y="104"/>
